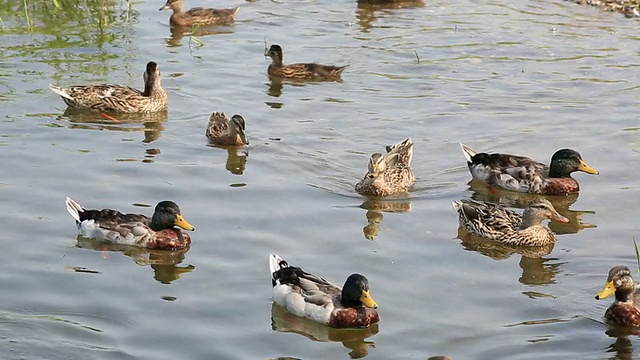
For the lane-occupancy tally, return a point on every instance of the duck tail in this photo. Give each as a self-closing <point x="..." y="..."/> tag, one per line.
<point x="60" y="91"/>
<point x="340" y="69"/>
<point x="457" y="205"/>
<point x="275" y="263"/>
<point x="74" y="208"/>
<point x="468" y="152"/>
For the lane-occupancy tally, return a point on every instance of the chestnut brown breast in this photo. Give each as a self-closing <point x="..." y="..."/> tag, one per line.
<point x="354" y="317"/>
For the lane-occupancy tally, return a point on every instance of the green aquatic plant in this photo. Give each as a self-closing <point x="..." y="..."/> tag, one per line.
<point x="635" y="245"/>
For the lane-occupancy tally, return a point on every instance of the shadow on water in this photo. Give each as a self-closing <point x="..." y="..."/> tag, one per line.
<point x="163" y="262"/>
<point x="366" y="10"/>
<point x="484" y="192"/>
<point x="236" y="158"/>
<point x="178" y="33"/>
<point x="352" y="339"/>
<point x="375" y="208"/>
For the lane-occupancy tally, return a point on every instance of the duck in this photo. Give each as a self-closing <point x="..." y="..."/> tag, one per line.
<point x="312" y="297"/>
<point x="226" y="132"/>
<point x="390" y="173"/>
<point x="522" y="174"/>
<point x="157" y="232"/>
<point x="624" y="310"/>
<point x="118" y="98"/>
<point x="198" y="16"/>
<point x="494" y="222"/>
<point x="302" y="71"/>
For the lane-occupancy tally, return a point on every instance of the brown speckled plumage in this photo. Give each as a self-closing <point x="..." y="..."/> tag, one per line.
<point x="198" y="16"/>
<point x="389" y="174"/>
<point x="118" y="98"/>
<point x="624" y="310"/>
<point x="522" y="174"/>
<point x="302" y="71"/>
<point x="494" y="222"/>
<point x="227" y="132"/>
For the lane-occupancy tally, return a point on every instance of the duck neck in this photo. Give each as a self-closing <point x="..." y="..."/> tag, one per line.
<point x="152" y="86"/>
<point x="624" y="295"/>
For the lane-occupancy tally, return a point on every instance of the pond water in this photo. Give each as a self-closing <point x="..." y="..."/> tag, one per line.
<point x="525" y="77"/>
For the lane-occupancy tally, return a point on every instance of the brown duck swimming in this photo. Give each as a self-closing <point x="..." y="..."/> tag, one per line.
<point x="198" y="16"/>
<point x="624" y="310"/>
<point x="157" y="232"/>
<point x="118" y="98"/>
<point x="519" y="173"/>
<point x="390" y="173"/>
<point x="494" y="222"/>
<point x="227" y="132"/>
<point x="302" y="71"/>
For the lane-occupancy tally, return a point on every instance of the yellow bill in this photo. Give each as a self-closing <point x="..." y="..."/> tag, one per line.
<point x="181" y="222"/>
<point x="367" y="300"/>
<point x="586" y="168"/>
<point x="609" y="289"/>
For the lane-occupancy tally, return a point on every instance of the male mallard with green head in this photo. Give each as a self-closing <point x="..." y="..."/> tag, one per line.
<point x="624" y="310"/>
<point x="118" y="98"/>
<point x="227" y="132"/>
<point x="157" y="232"/>
<point x="302" y="71"/>
<point x="522" y="174"/>
<point x="389" y="174"/>
<point x="312" y="297"/>
<point x="198" y="16"/>
<point x="494" y="222"/>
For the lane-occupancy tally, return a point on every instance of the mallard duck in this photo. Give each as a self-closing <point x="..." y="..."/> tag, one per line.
<point x="519" y="173"/>
<point x="157" y="232"/>
<point x="198" y="16"/>
<point x="118" y="98"/>
<point x="624" y="310"/>
<point x="224" y="131"/>
<point x="313" y="297"/>
<point x="494" y="222"/>
<point x="307" y="71"/>
<point x="390" y="173"/>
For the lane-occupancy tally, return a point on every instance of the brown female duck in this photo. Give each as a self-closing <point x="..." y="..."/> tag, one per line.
<point x="624" y="310"/>
<point x="389" y="174"/>
<point x="157" y="232"/>
<point x="118" y="98"/>
<point x="302" y="71"/>
<point x="227" y="132"/>
<point x="494" y="222"/>
<point x="522" y="174"/>
<point x="198" y="16"/>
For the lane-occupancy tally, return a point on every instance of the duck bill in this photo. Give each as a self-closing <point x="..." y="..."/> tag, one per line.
<point x="586" y="168"/>
<point x="559" y="218"/>
<point x="367" y="300"/>
<point x="609" y="289"/>
<point x="181" y="222"/>
<point x="166" y="7"/>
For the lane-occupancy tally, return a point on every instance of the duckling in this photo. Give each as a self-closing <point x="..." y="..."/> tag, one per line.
<point x="198" y="16"/>
<point x="306" y="71"/>
<point x="389" y="174"/>
<point x="227" y="132"/>
<point x="519" y="173"/>
<point x="312" y="297"/>
<point x="494" y="222"/>
<point x="118" y="98"/>
<point x="157" y="232"/>
<point x="624" y="310"/>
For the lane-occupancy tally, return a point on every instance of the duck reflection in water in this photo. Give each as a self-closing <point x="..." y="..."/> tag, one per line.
<point x="375" y="208"/>
<point x="150" y="123"/>
<point x="236" y="158"/>
<point x="536" y="269"/>
<point x="163" y="262"/>
<point x="366" y="10"/>
<point x="484" y="192"/>
<point x="352" y="339"/>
